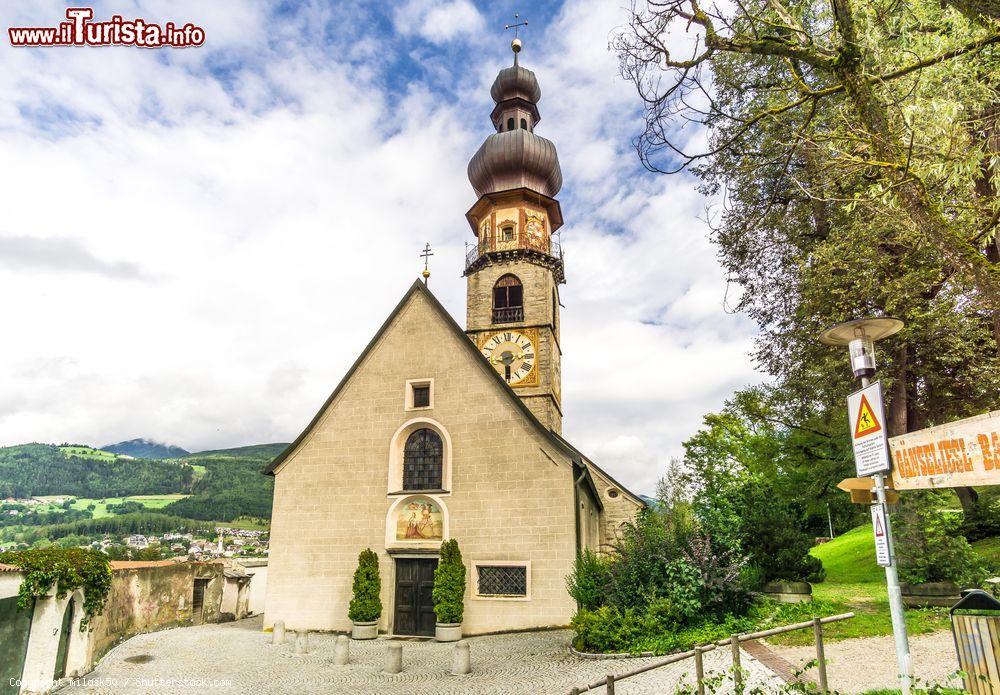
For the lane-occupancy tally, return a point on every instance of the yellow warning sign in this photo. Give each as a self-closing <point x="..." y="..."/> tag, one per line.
<point x="867" y="422"/>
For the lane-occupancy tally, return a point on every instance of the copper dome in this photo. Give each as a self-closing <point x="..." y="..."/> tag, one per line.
<point x="516" y="82"/>
<point x="516" y="159"/>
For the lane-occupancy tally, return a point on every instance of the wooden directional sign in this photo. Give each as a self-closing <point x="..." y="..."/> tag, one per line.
<point x="862" y="491"/>
<point x="960" y="453"/>
<point x="871" y="454"/>
<point x="879" y="527"/>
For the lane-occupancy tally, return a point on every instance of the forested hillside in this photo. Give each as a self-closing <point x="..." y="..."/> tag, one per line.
<point x="233" y="484"/>
<point x="27" y="470"/>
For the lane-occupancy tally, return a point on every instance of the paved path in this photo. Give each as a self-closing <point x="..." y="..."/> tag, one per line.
<point x="238" y="658"/>
<point x="866" y="663"/>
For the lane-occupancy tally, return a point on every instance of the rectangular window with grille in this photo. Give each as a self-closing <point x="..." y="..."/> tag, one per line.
<point x="421" y="396"/>
<point x="506" y="581"/>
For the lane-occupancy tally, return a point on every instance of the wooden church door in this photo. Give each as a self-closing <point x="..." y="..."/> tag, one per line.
<point x="414" y="603"/>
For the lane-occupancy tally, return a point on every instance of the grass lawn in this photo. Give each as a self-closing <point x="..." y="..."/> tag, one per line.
<point x="148" y="501"/>
<point x="87" y="452"/>
<point x="855" y="583"/>
<point x="989" y="549"/>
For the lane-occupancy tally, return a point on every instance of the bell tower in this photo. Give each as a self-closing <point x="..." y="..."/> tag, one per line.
<point x="515" y="266"/>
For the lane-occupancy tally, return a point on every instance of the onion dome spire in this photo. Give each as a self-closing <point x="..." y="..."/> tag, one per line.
<point x="514" y="157"/>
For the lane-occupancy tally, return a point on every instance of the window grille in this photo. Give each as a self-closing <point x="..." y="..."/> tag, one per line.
<point x="503" y="580"/>
<point x="422" y="461"/>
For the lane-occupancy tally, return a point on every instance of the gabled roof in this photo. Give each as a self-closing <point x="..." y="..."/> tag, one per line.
<point x="420" y="288"/>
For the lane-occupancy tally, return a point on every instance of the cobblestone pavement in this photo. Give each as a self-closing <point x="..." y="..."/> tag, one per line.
<point x="238" y="658"/>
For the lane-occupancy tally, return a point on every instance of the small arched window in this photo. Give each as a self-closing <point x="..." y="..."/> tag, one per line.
<point x="524" y="124"/>
<point x="510" y="124"/>
<point x="422" y="456"/>
<point x="508" y="300"/>
<point x="507" y="232"/>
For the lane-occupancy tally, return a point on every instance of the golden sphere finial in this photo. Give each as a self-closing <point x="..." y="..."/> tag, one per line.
<point x="426" y="274"/>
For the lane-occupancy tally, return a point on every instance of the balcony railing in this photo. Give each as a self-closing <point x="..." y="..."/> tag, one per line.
<point x="508" y="314"/>
<point x="493" y="243"/>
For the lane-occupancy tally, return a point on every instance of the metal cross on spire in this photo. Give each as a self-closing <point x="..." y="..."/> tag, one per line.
<point x="516" y="25"/>
<point x="426" y="255"/>
<point x="515" y="45"/>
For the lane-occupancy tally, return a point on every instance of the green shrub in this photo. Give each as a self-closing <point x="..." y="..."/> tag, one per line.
<point x="929" y="546"/>
<point x="588" y="582"/>
<point x="366" y="605"/>
<point x="449" y="584"/>
<point x="67" y="569"/>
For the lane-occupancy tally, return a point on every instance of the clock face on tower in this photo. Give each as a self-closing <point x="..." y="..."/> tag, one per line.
<point x="513" y="355"/>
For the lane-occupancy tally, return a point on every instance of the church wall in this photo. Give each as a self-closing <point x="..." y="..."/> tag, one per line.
<point x="617" y="509"/>
<point x="508" y="501"/>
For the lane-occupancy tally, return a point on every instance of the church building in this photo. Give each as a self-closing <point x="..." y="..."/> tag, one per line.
<point x="438" y="432"/>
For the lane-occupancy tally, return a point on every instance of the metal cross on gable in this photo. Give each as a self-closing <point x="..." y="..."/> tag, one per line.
<point x="516" y="25"/>
<point x="426" y="255"/>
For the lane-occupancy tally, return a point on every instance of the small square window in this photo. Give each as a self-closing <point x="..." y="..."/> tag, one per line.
<point x="419" y="394"/>
<point x="422" y="396"/>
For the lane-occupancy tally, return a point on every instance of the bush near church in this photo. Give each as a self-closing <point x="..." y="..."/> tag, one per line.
<point x="366" y="605"/>
<point x="449" y="585"/>
<point x="665" y="585"/>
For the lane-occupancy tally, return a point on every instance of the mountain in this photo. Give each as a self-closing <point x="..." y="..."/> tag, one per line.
<point x="145" y="449"/>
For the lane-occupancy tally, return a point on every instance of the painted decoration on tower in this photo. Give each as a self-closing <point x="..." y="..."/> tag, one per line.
<point x="419" y="520"/>
<point x="534" y="225"/>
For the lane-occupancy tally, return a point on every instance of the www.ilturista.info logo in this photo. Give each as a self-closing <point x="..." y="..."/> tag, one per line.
<point x="81" y="31"/>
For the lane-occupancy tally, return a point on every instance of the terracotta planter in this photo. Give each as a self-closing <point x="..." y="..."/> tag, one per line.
<point x="789" y="592"/>
<point x="448" y="632"/>
<point x="364" y="630"/>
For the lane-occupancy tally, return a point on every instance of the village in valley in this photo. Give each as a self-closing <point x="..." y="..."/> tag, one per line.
<point x="690" y="386"/>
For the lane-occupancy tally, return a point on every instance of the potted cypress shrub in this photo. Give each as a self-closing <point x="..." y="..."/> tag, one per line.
<point x="449" y="593"/>
<point x="366" y="606"/>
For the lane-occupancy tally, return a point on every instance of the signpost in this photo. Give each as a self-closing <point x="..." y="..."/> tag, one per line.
<point x="958" y="454"/>
<point x="871" y="453"/>
<point x="879" y="525"/>
<point x="871" y="458"/>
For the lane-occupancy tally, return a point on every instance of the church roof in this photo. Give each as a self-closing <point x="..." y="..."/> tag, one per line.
<point x="419" y="287"/>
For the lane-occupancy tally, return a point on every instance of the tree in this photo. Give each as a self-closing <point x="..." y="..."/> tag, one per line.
<point x="856" y="87"/>
<point x="856" y="147"/>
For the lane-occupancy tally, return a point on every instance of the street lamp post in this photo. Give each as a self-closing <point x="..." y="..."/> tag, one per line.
<point x="859" y="336"/>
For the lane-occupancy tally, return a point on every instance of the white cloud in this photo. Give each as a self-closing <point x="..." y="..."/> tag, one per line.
<point x="276" y="211"/>
<point x="438" y="21"/>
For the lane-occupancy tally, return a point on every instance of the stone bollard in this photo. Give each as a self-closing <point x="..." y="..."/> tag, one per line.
<point x="461" y="661"/>
<point x="302" y="642"/>
<point x="393" y="657"/>
<point x="341" y="651"/>
<point x="278" y="632"/>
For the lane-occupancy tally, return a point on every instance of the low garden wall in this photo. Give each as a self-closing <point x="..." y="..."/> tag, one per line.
<point x="144" y="597"/>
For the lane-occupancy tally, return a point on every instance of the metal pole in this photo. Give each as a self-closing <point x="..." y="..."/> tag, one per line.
<point x="896" y="610"/>
<point x="820" y="654"/>
<point x="829" y="520"/>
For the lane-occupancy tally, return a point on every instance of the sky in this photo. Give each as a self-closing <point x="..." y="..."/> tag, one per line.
<point x="196" y="244"/>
